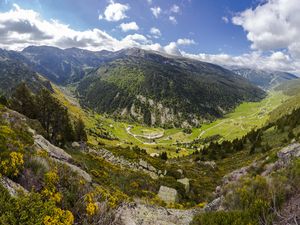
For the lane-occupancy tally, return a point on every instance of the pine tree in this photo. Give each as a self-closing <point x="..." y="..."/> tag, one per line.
<point x="23" y="101"/>
<point x="80" y="132"/>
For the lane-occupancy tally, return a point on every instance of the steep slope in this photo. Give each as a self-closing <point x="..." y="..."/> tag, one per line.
<point x="160" y="90"/>
<point x="266" y="79"/>
<point x="13" y="72"/>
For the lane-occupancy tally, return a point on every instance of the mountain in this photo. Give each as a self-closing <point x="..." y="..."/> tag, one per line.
<point x="64" y="66"/>
<point x="140" y="85"/>
<point x="266" y="79"/>
<point x="162" y="90"/>
<point x="13" y="72"/>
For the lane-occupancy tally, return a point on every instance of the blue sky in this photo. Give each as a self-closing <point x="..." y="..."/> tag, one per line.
<point x="256" y="33"/>
<point x="200" y="20"/>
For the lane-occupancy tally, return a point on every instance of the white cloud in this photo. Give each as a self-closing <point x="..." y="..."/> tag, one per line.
<point x="172" y="49"/>
<point x="272" y="25"/>
<point x="149" y="2"/>
<point x="129" y="26"/>
<point x="225" y="19"/>
<point x="185" y="41"/>
<point x="115" y="12"/>
<point x="135" y="40"/>
<point x="175" y="9"/>
<point x="20" y="28"/>
<point x="155" y="32"/>
<point x="256" y="59"/>
<point x="173" y="19"/>
<point x="156" y="11"/>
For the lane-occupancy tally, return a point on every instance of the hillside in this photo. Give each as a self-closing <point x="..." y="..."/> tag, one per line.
<point x="266" y="79"/>
<point x="143" y="86"/>
<point x="13" y="72"/>
<point x="92" y="184"/>
<point x="158" y="90"/>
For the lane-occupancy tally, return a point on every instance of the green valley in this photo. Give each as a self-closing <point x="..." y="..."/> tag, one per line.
<point x="243" y="119"/>
<point x="110" y="147"/>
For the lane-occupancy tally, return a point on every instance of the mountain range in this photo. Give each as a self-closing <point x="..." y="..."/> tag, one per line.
<point x="265" y="79"/>
<point x="140" y="85"/>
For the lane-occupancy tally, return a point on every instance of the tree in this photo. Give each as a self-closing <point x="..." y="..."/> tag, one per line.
<point x="3" y="100"/>
<point x="80" y="133"/>
<point x="164" y="156"/>
<point x="52" y="115"/>
<point x="23" y="101"/>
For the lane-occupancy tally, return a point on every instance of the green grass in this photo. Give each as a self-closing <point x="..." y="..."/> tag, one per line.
<point x="244" y="118"/>
<point x="235" y="124"/>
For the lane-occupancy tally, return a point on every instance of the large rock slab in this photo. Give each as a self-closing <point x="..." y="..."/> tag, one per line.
<point x="140" y="214"/>
<point x="42" y="143"/>
<point x="75" y="169"/>
<point x="12" y="187"/>
<point x="168" y="195"/>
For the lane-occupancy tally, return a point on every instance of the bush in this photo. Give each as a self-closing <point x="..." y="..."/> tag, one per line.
<point x="31" y="209"/>
<point x="225" y="218"/>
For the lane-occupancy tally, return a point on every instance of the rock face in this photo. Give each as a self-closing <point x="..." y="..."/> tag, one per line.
<point x="142" y="165"/>
<point x="12" y="187"/>
<point x="41" y="143"/>
<point x="186" y="184"/>
<point x="168" y="195"/>
<point x="289" y="152"/>
<point x="75" y="169"/>
<point x="215" y="205"/>
<point x="235" y="175"/>
<point x="139" y="214"/>
<point x="59" y="155"/>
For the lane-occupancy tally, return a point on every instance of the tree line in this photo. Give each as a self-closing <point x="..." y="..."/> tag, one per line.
<point x="52" y="115"/>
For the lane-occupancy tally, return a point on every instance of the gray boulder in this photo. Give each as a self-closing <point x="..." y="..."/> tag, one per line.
<point x="75" y="144"/>
<point x="168" y="195"/>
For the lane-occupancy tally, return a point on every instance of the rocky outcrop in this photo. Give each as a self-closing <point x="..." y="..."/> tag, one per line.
<point x="139" y="214"/>
<point x="235" y="175"/>
<point x="285" y="157"/>
<point x="55" y="152"/>
<point x="58" y="155"/>
<point x="12" y="187"/>
<point x="75" y="169"/>
<point x="168" y="195"/>
<point x="211" y="164"/>
<point x="286" y="154"/>
<point x="214" y="205"/>
<point x="142" y="165"/>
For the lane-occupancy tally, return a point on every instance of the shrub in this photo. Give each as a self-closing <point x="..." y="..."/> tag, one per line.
<point x="225" y="218"/>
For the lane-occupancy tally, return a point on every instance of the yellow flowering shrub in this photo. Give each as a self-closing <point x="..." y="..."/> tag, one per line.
<point x="50" y="191"/>
<point x="12" y="165"/>
<point x="60" y="217"/>
<point x="91" y="207"/>
<point x="113" y="198"/>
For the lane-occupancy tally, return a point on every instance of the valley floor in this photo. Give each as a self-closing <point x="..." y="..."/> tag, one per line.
<point x="177" y="143"/>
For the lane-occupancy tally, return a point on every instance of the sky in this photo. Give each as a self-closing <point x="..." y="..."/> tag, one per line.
<point x="262" y="34"/>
